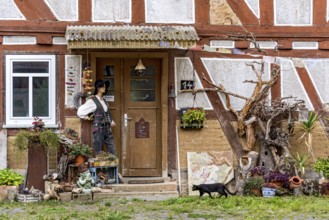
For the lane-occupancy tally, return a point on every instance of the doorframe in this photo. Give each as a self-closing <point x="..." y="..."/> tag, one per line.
<point x="163" y="91"/>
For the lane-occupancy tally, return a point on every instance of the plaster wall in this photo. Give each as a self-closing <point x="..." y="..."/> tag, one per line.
<point x="184" y="71"/>
<point x="254" y="6"/>
<point x="9" y="11"/>
<point x="64" y="10"/>
<point x="293" y="12"/>
<point x="291" y="84"/>
<point x="169" y="11"/>
<point x="318" y="71"/>
<point x="11" y="40"/>
<point x="111" y="10"/>
<point x="231" y="74"/>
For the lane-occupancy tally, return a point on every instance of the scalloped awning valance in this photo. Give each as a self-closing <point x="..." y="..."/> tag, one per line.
<point x="132" y="37"/>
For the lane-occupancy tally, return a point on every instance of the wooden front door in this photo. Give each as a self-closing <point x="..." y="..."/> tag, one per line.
<point x="135" y="103"/>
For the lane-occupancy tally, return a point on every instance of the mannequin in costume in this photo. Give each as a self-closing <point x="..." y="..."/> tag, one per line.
<point x="102" y="118"/>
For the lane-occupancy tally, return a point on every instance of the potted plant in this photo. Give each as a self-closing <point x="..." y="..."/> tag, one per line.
<point x="308" y="128"/>
<point x="322" y="165"/>
<point x="253" y="186"/>
<point x="258" y="171"/>
<point x="105" y="159"/>
<point x="192" y="117"/>
<point x="79" y="152"/>
<point x="36" y="135"/>
<point x="268" y="190"/>
<point x="9" y="182"/>
<point x="277" y="179"/>
<point x="301" y="161"/>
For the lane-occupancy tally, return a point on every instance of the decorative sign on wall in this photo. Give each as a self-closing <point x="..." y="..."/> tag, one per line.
<point x="142" y="129"/>
<point x="209" y="167"/>
<point x="186" y="84"/>
<point x="72" y="78"/>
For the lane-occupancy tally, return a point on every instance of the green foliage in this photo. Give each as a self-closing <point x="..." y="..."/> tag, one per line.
<point x="252" y="183"/>
<point x="79" y="149"/>
<point x="234" y="207"/>
<point x="10" y="178"/>
<point x="49" y="139"/>
<point x="308" y="127"/>
<point x="301" y="161"/>
<point x="26" y="138"/>
<point x="322" y="165"/>
<point x="194" y="116"/>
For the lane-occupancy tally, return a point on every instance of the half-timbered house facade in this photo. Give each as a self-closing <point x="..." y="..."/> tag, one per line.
<point x="46" y="44"/>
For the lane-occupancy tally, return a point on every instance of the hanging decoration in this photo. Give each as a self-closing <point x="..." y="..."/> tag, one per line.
<point x="87" y="81"/>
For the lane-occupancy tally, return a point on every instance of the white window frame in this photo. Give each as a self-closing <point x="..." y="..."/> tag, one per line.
<point x="26" y="122"/>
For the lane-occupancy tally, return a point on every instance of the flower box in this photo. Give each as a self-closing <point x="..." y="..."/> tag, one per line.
<point x="192" y="118"/>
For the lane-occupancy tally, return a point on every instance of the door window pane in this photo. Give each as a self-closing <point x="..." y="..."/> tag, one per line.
<point x="108" y="73"/>
<point x="150" y="71"/>
<point x="30" y="67"/>
<point x="40" y="97"/>
<point x="142" y="87"/>
<point x="144" y="83"/>
<point x="108" y="70"/>
<point x="20" y="96"/>
<point x="142" y="96"/>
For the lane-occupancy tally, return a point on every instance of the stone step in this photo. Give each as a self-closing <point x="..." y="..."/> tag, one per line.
<point x="152" y="187"/>
<point x="145" y="180"/>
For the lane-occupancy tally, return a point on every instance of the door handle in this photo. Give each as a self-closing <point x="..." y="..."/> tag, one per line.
<point x="126" y="119"/>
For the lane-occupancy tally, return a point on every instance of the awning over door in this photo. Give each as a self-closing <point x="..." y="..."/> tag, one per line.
<point x="153" y="37"/>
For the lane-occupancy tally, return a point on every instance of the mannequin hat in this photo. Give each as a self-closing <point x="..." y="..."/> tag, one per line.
<point x="100" y="83"/>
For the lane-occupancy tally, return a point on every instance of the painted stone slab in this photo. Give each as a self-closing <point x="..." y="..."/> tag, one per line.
<point x="72" y="78"/>
<point x="209" y="167"/>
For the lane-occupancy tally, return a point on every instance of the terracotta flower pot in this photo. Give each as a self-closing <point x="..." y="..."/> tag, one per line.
<point x="256" y="192"/>
<point x="80" y="159"/>
<point x="295" y="181"/>
<point x="277" y="184"/>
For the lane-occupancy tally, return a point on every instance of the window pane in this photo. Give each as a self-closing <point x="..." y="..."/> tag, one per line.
<point x="150" y="71"/>
<point x="40" y="96"/>
<point x="142" y="96"/>
<point x="108" y="71"/>
<point x="144" y="83"/>
<point x="20" y="96"/>
<point x="30" y="67"/>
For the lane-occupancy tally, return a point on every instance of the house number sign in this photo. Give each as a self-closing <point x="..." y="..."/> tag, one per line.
<point x="186" y="84"/>
<point x="142" y="129"/>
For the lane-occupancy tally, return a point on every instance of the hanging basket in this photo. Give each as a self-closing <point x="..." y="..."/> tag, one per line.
<point x="192" y="118"/>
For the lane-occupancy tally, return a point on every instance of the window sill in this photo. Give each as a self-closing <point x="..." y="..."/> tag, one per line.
<point x="28" y="126"/>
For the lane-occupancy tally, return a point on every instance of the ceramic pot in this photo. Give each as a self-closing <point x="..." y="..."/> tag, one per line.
<point x="268" y="192"/>
<point x="80" y="159"/>
<point x="295" y="181"/>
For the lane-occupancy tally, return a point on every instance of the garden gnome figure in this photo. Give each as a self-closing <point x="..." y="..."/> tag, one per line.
<point x="97" y="109"/>
<point x="85" y="181"/>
